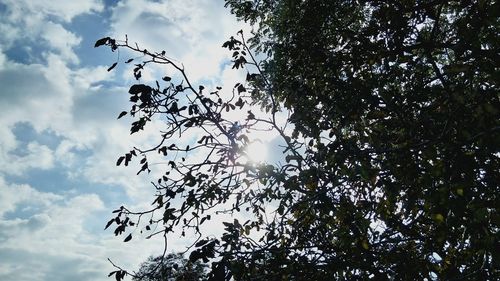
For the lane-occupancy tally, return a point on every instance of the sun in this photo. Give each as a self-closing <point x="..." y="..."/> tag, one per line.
<point x="257" y="152"/>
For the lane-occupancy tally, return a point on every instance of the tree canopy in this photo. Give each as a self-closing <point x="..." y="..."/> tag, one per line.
<point x="172" y="267"/>
<point x="391" y="168"/>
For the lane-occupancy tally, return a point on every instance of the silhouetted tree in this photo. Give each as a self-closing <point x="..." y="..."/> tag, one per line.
<point x="172" y="267"/>
<point x="392" y="164"/>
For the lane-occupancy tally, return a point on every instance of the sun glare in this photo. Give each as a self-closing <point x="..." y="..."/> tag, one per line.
<point x="257" y="152"/>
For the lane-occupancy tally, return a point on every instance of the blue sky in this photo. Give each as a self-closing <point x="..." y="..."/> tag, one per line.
<point x="59" y="136"/>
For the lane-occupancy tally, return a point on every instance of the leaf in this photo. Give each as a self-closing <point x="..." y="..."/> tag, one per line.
<point x="439" y="218"/>
<point x="128" y="157"/>
<point x="101" y="42"/>
<point x="120" y="160"/>
<point x="129" y="60"/>
<point x="119" y="275"/>
<point x="112" y="66"/>
<point x="123" y="113"/>
<point x="194" y="256"/>
<point x="129" y="237"/>
<point x="139" y="88"/>
<point x="166" y="78"/>
<point x="241" y="89"/>
<point x="240" y="103"/>
<point x="365" y="244"/>
<point x="137" y="75"/>
<point x="163" y="150"/>
<point x="201" y="243"/>
<point x="119" y="230"/>
<point x="143" y="168"/>
<point x="109" y="223"/>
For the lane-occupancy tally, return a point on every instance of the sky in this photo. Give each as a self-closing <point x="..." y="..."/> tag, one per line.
<point x="59" y="135"/>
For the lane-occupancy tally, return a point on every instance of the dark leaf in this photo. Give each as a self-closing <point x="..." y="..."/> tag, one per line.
<point x="139" y="88"/>
<point x="137" y="75"/>
<point x="123" y="113"/>
<point x="201" y="243"/>
<point x="195" y="255"/>
<point x="241" y="89"/>
<point x="120" y="160"/>
<point x="109" y="223"/>
<point x="112" y="66"/>
<point x="101" y="42"/>
<point x="119" y="230"/>
<point x="119" y="275"/>
<point x="128" y="238"/>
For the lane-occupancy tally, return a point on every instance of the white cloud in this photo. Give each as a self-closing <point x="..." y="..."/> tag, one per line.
<point x="61" y="40"/>
<point x="36" y="156"/>
<point x="191" y="32"/>
<point x="13" y="195"/>
<point x="39" y="23"/>
<point x="56" y="240"/>
<point x="35" y="93"/>
<point x="34" y="248"/>
<point x="25" y="10"/>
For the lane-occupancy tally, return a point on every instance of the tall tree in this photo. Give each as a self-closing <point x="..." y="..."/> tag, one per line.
<point x="392" y="168"/>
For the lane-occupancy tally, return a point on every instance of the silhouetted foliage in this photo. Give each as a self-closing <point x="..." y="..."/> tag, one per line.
<point x="392" y="166"/>
<point x="172" y="267"/>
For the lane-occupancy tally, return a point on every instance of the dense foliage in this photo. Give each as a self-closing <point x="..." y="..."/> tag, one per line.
<point x="172" y="267"/>
<point x="392" y="167"/>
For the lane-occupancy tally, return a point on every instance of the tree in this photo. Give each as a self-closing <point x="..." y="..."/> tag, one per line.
<point x="172" y="267"/>
<point x="392" y="166"/>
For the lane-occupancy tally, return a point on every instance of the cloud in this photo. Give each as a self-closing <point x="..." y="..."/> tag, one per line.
<point x="52" y="243"/>
<point x="45" y="235"/>
<point x="24" y="10"/>
<point x="13" y="195"/>
<point x="35" y="24"/>
<point x="36" y="156"/>
<point x="191" y="32"/>
<point x="61" y="40"/>
<point x="35" y="266"/>
<point x="48" y="84"/>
